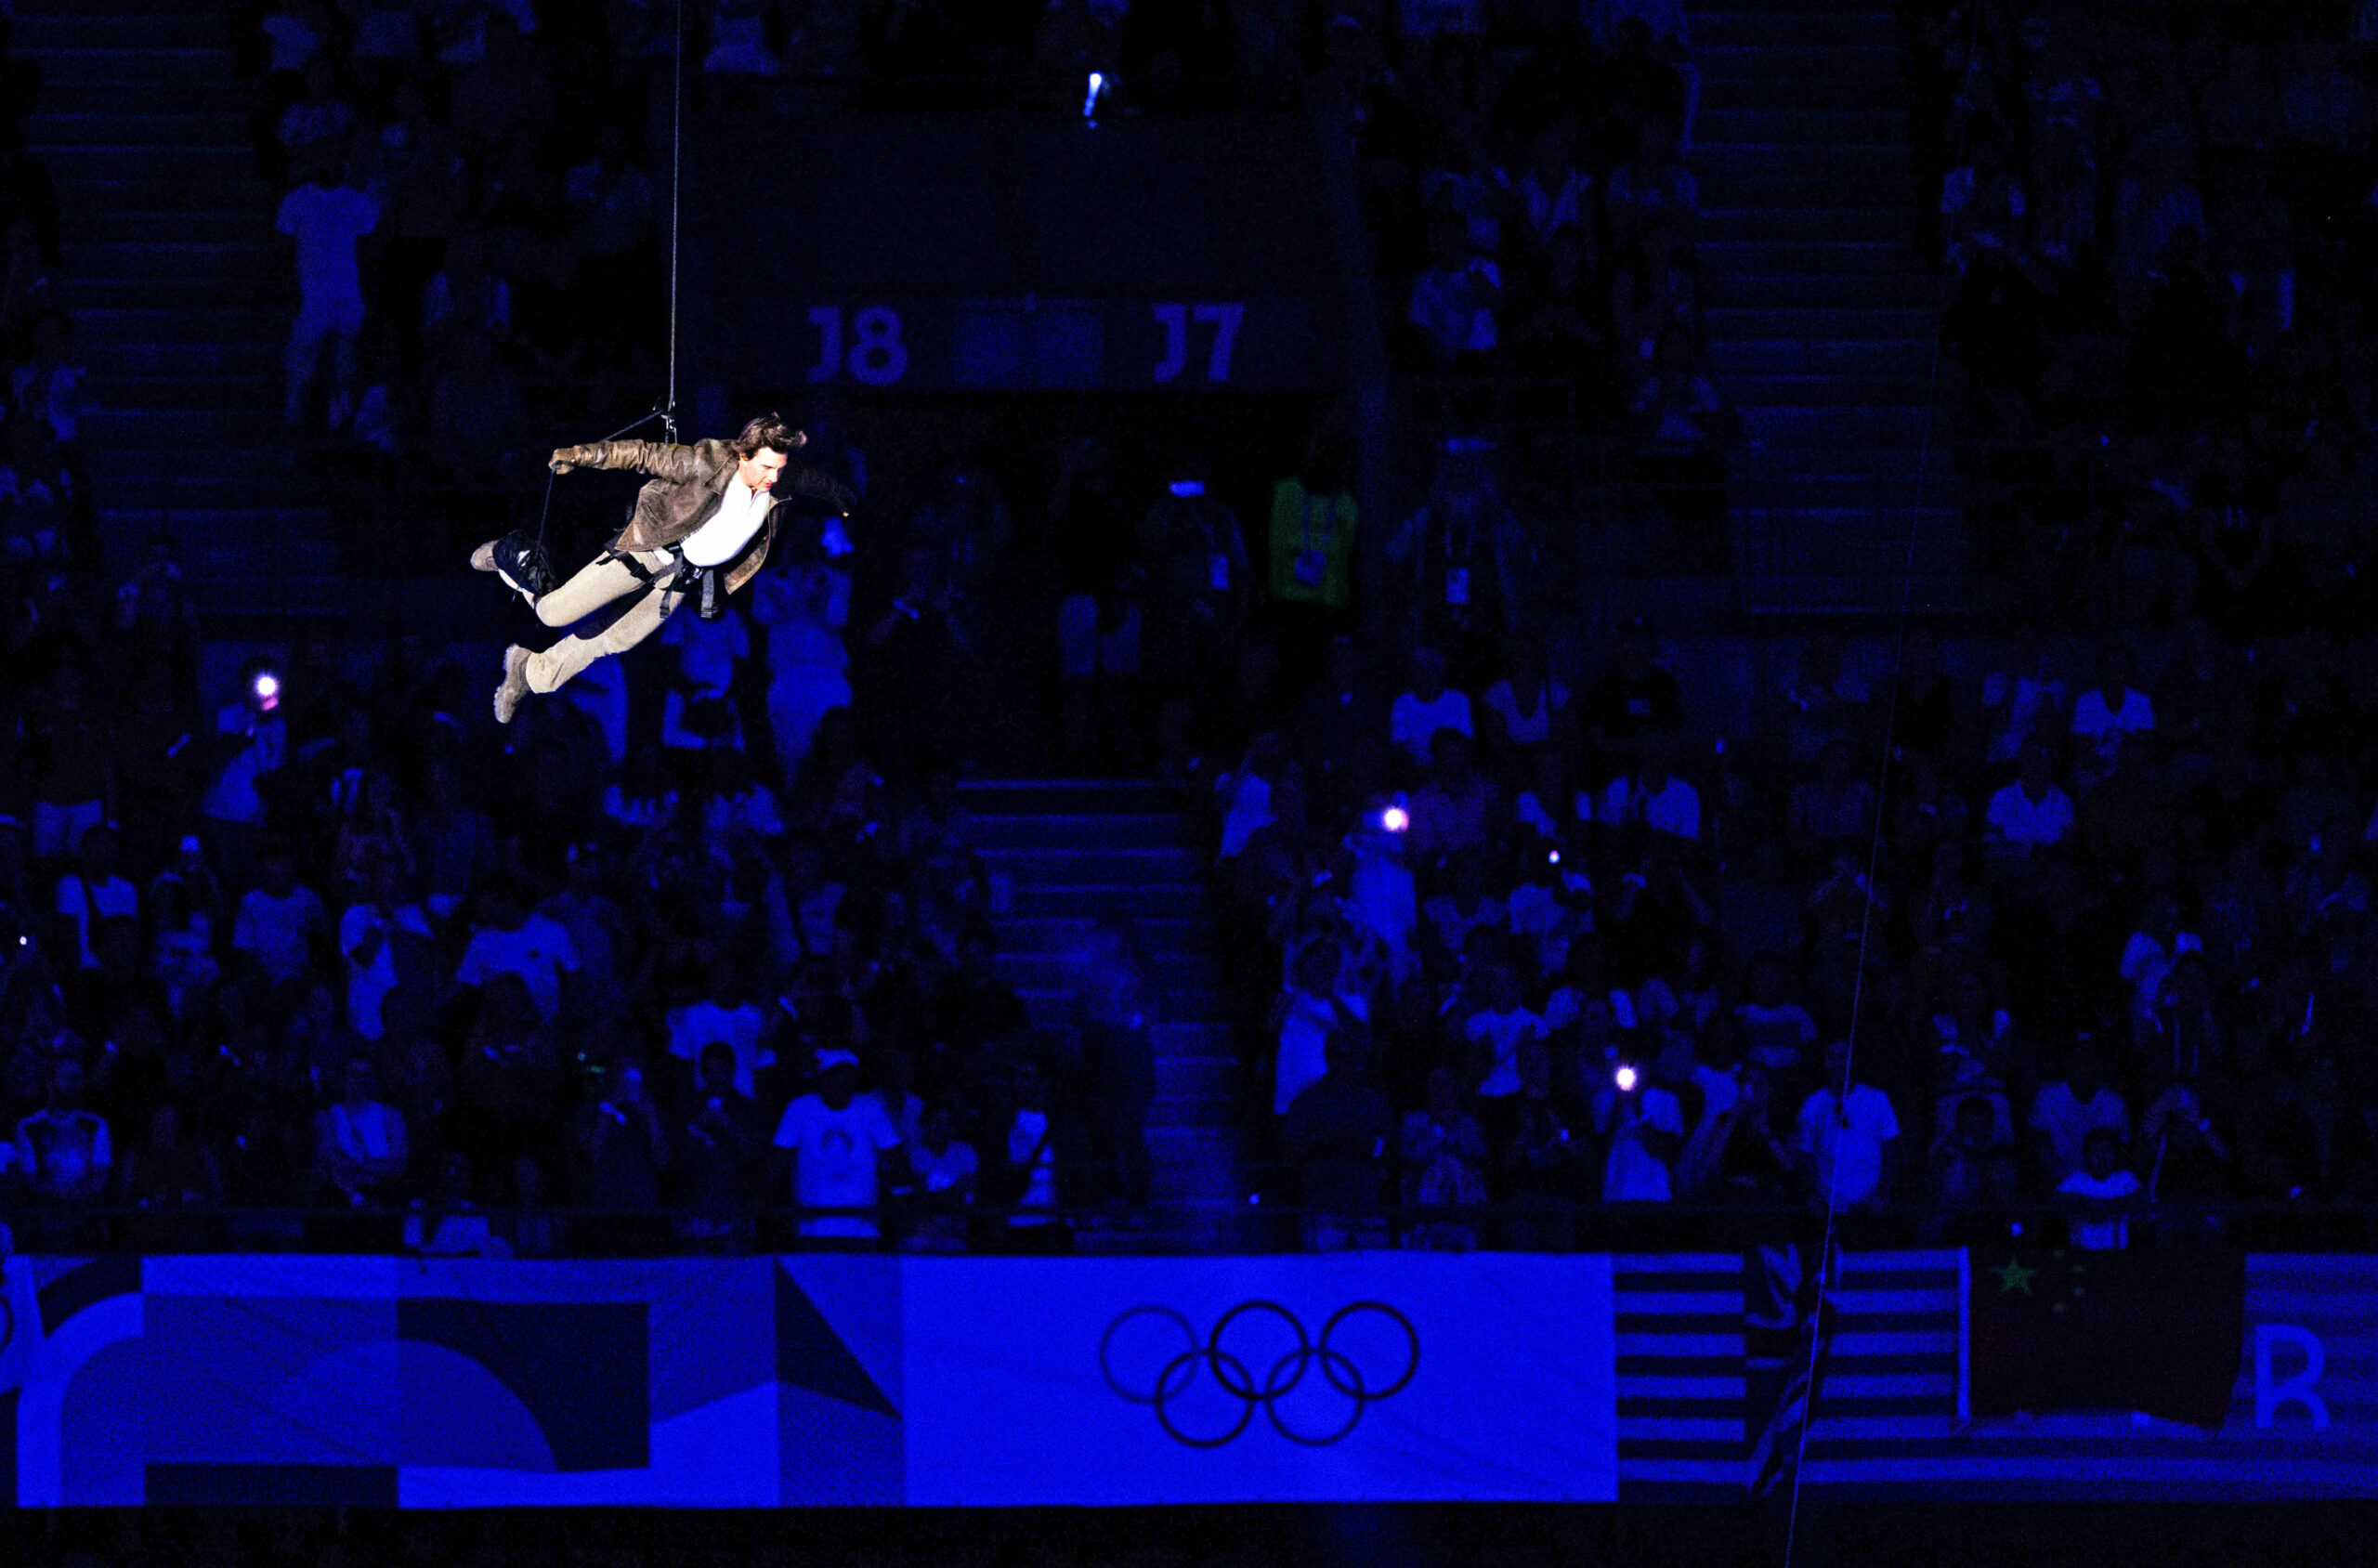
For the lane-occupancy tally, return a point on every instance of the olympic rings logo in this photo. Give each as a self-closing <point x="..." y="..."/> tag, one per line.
<point x="1232" y="1375"/>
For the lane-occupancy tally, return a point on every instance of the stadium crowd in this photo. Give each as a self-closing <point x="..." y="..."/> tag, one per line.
<point x="2082" y="910"/>
<point x="2158" y="223"/>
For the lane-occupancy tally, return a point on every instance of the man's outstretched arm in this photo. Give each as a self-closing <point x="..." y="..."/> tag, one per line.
<point x="662" y="460"/>
<point x="819" y="485"/>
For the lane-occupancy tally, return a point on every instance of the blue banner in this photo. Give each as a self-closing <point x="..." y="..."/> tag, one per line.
<point x="864" y="1380"/>
<point x="1339" y="1378"/>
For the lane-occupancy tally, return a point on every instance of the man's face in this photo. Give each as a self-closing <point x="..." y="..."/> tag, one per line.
<point x="759" y="471"/>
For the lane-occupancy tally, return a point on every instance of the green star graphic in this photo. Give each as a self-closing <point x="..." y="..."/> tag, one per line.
<point x="2013" y="1277"/>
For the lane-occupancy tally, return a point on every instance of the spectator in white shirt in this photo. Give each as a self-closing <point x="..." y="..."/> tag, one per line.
<point x="64" y="1152"/>
<point x="1499" y="1028"/>
<point x="281" y="921"/>
<point x="325" y="218"/>
<point x="1845" y="1137"/>
<point x="92" y="891"/>
<point x="2065" y="1112"/>
<point x="511" y="941"/>
<point x="369" y="936"/>
<point x="1645" y="1125"/>
<point x="2032" y="812"/>
<point x="723" y="1014"/>
<point x="2098" y="1198"/>
<point x="361" y="1148"/>
<point x="1414" y="717"/>
<point x="1309" y="1010"/>
<point x="2022" y="696"/>
<point x="1454" y="299"/>
<point x="837" y="1141"/>
<point x="2111" y="710"/>
<point x="1652" y="796"/>
<point x="1526" y="704"/>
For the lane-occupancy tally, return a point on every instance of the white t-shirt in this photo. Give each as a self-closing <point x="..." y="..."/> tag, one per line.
<point x="1382" y="899"/>
<point x="276" y="930"/>
<point x="741" y="510"/>
<point x="368" y="985"/>
<point x="232" y="796"/>
<point x="1632" y="1174"/>
<point x="2025" y="698"/>
<point x="371" y="1132"/>
<point x="1847" y="1147"/>
<point x="539" y="952"/>
<point x="326" y="221"/>
<point x="1504" y="1032"/>
<point x="86" y="903"/>
<point x="2100" y="1236"/>
<point x="1674" y="808"/>
<point x="1529" y="728"/>
<point x="1411" y="723"/>
<point x="697" y="1024"/>
<point x="1775" y="1036"/>
<point x="1455" y="305"/>
<point x="939" y="1172"/>
<point x="1304" y="1030"/>
<point x="834" y="1155"/>
<point x="2018" y="818"/>
<point x="2103" y="727"/>
<point x="2067" y="1123"/>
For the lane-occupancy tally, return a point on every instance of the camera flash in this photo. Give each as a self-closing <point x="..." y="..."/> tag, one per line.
<point x="1395" y="819"/>
<point x="1625" y="1079"/>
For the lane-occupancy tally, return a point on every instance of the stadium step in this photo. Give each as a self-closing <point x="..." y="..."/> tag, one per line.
<point x="121" y="63"/>
<point x="1751" y="290"/>
<point x="1821" y="321"/>
<point x="1740" y="29"/>
<point x="1042" y="830"/>
<point x="1063" y="851"/>
<point x="1806" y="61"/>
<point x="196" y="25"/>
<point x="1736" y="358"/>
<point x="1830" y="254"/>
<point x="1832" y="323"/>
<point x="1784" y="95"/>
<point x="1756" y="219"/>
<point x="173" y="275"/>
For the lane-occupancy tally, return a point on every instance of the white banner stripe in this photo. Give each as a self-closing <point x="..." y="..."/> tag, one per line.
<point x="1942" y="1258"/>
<point x="1886" y="1385"/>
<point x="1857" y="1342"/>
<point x="1681" y="1344"/>
<point x="1856" y="1302"/>
<point x="1680" y="1386"/>
<point x="1728" y="1471"/>
<point x="1886" y="1427"/>
<point x="1693" y="1429"/>
<point x="1712" y="1303"/>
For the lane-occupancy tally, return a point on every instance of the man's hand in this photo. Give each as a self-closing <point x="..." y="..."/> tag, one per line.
<point x="565" y="458"/>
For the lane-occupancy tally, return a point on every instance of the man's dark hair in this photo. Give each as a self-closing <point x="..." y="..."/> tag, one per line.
<point x="768" y="430"/>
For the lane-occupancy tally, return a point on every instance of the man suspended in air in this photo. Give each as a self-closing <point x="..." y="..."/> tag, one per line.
<point x="701" y="527"/>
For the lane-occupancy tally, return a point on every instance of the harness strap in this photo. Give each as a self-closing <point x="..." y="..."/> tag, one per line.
<point x="680" y="576"/>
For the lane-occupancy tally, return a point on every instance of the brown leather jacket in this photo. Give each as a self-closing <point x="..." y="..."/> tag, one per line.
<point x="685" y="489"/>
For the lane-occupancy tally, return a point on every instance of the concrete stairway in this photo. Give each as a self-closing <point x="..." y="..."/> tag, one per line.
<point x="1822" y="318"/>
<point x="1061" y="852"/>
<point x="178" y="293"/>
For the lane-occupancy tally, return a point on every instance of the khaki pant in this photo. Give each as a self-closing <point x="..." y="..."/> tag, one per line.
<point x="592" y="586"/>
